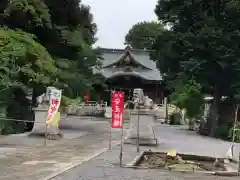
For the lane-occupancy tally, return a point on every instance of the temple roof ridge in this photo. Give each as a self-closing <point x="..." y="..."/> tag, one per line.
<point x="114" y="50"/>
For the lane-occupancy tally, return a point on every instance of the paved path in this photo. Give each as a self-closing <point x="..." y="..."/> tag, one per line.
<point x="31" y="162"/>
<point x="182" y="140"/>
<point x="106" y="166"/>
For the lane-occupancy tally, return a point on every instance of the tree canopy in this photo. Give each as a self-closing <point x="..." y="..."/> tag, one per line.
<point x="65" y="30"/>
<point x="23" y="59"/>
<point x="201" y="45"/>
<point x="45" y="43"/>
<point x="142" y="35"/>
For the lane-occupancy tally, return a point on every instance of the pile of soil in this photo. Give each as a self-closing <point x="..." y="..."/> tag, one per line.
<point x="157" y="160"/>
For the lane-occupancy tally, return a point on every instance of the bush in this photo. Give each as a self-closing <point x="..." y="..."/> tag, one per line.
<point x="6" y="127"/>
<point x="18" y="107"/>
<point x="188" y="95"/>
<point x="222" y="132"/>
<point x="65" y="101"/>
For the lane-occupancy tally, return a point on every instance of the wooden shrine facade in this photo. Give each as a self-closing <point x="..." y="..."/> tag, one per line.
<point x="127" y="69"/>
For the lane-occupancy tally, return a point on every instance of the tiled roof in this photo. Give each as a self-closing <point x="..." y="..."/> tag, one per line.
<point x="111" y="56"/>
<point x="153" y="75"/>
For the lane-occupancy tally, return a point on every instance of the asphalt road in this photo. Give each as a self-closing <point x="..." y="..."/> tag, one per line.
<point x="106" y="166"/>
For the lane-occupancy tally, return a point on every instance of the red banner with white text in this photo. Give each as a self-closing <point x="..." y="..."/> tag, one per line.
<point x="117" y="109"/>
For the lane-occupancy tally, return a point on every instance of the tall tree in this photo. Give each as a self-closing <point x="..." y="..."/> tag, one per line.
<point x="27" y="15"/>
<point x="74" y="36"/>
<point x="67" y="31"/>
<point x="24" y="63"/>
<point x="142" y="35"/>
<point x="46" y="42"/>
<point x="198" y="45"/>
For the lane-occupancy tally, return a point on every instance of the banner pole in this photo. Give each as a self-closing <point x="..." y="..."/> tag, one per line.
<point x="110" y="137"/>
<point x="122" y="138"/>
<point x="239" y="164"/>
<point x="138" y="139"/>
<point x="46" y="134"/>
<point x="121" y="149"/>
<point x="110" y="123"/>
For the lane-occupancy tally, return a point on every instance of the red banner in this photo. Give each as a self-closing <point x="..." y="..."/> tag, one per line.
<point x="117" y="109"/>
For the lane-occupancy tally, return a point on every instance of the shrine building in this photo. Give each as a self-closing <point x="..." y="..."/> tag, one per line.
<point x="128" y="69"/>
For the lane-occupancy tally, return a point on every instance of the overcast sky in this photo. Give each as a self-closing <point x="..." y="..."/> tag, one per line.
<point x="115" y="17"/>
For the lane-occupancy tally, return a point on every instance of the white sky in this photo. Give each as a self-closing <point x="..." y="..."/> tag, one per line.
<point x="115" y="17"/>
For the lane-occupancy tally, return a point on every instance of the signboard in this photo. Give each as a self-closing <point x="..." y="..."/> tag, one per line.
<point x="55" y="99"/>
<point x="117" y="109"/>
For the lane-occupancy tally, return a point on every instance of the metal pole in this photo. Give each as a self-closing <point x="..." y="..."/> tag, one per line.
<point x="46" y="134"/>
<point x="239" y="164"/>
<point x="121" y="149"/>
<point x="122" y="138"/>
<point x="138" y="150"/>
<point x="165" y="109"/>
<point x="110" y="136"/>
<point x="110" y="123"/>
<point x="234" y="131"/>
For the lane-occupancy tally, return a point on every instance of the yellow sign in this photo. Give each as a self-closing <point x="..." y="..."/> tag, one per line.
<point x="55" y="100"/>
<point x="55" y="119"/>
<point x="172" y="153"/>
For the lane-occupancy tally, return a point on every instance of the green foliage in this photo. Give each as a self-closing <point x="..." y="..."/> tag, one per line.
<point x="200" y="39"/>
<point x="188" y="95"/>
<point x="47" y="42"/>
<point x="142" y="35"/>
<point x="237" y="133"/>
<point x="25" y="14"/>
<point x="198" y="46"/>
<point x="65" y="101"/>
<point x="72" y="37"/>
<point x="23" y="59"/>
<point x="6" y="126"/>
<point x="222" y="132"/>
<point x="67" y="36"/>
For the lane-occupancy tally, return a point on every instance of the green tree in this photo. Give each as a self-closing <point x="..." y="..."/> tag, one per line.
<point x="47" y="42"/>
<point x="24" y="63"/>
<point x="73" y="37"/>
<point x="23" y="59"/>
<point x="27" y="15"/>
<point x="188" y="95"/>
<point x="198" y="45"/>
<point x="68" y="37"/>
<point x="142" y="35"/>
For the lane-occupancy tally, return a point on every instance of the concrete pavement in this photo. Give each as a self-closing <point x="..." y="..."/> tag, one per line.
<point x="106" y="166"/>
<point x="43" y="162"/>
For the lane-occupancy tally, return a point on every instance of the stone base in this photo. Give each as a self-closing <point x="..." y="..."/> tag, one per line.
<point x="142" y="141"/>
<point x="90" y="111"/>
<point x="146" y="131"/>
<point x="54" y="136"/>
